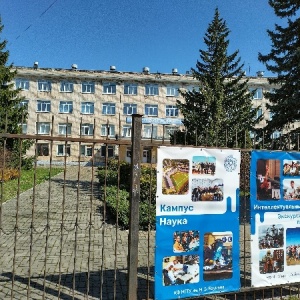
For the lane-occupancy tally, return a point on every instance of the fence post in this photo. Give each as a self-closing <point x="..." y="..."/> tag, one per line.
<point x="133" y="236"/>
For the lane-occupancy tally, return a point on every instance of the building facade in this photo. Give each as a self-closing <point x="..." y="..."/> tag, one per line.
<point x="99" y="104"/>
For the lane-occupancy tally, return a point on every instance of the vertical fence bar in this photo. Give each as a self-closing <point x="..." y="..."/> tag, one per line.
<point x="133" y="236"/>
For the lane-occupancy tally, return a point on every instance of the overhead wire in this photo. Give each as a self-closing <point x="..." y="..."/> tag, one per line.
<point x="44" y="12"/>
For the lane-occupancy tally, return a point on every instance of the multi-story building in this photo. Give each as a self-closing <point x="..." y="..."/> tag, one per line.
<point x="99" y="104"/>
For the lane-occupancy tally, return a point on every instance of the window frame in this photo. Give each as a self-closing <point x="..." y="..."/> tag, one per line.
<point x="171" y="108"/>
<point x="88" y="126"/>
<point x="22" y="84"/>
<point x="24" y="103"/>
<point x="46" y="125"/>
<point x="169" y="129"/>
<point x="86" y="149"/>
<point x="110" y="149"/>
<point x="151" y="107"/>
<point x="87" y="104"/>
<point x="66" y="128"/>
<point x="44" y="86"/>
<point x="128" y="130"/>
<point x="130" y="89"/>
<point x="109" y="88"/>
<point x="258" y="95"/>
<point x="41" y="103"/>
<point x="41" y="147"/>
<point x="104" y="127"/>
<point x="87" y="87"/>
<point x="108" y="106"/>
<point x="65" y="103"/>
<point x="129" y="106"/>
<point x="151" y="89"/>
<point x="172" y="91"/>
<point x="147" y="131"/>
<point x="64" y="84"/>
<point x="66" y="150"/>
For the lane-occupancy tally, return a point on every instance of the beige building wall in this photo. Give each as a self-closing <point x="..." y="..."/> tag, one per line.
<point x="161" y="122"/>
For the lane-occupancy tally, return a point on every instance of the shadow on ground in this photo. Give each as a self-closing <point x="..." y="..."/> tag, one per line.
<point x="106" y="285"/>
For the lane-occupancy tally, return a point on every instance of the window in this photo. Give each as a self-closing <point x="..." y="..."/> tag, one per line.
<point x="169" y="130"/>
<point x="276" y="134"/>
<point x="43" y="127"/>
<point x="66" y="87"/>
<point x="129" y="109"/>
<point x="42" y="149"/>
<point x="86" y="150"/>
<point x="88" y="87"/>
<point x="172" y="91"/>
<point x="43" y="106"/>
<point x="87" y="108"/>
<point x="171" y="111"/>
<point x="130" y="89"/>
<point x="128" y="152"/>
<point x="150" y="132"/>
<point x="22" y="84"/>
<point x="151" y="89"/>
<point x="107" y="130"/>
<point x="87" y="129"/>
<point x="126" y="131"/>
<point x="109" y="88"/>
<point x="65" y="107"/>
<point x="64" y="128"/>
<point x="151" y="110"/>
<point x="192" y="88"/>
<point x="257" y="94"/>
<point x="24" y="103"/>
<point x="23" y="128"/>
<point x="108" y="108"/>
<point x="259" y="113"/>
<point x="271" y="114"/>
<point x="44" y="86"/>
<point x="109" y="149"/>
<point x="63" y="150"/>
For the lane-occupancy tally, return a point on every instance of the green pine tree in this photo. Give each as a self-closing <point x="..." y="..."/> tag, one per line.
<point x="12" y="114"/>
<point x="218" y="112"/>
<point x="284" y="61"/>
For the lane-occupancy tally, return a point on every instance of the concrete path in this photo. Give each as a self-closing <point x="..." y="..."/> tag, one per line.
<point x="54" y="244"/>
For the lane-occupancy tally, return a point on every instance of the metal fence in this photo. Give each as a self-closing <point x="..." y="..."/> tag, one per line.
<point x="58" y="240"/>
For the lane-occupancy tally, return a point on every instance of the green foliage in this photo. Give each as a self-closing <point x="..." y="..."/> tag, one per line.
<point x="117" y="197"/>
<point x="219" y="108"/>
<point x="283" y="60"/>
<point x="12" y="114"/>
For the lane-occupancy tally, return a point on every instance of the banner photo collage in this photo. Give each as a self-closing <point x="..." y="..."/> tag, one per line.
<point x="275" y="217"/>
<point x="197" y="222"/>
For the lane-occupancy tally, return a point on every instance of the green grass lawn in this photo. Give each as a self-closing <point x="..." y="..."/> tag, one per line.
<point x="180" y="179"/>
<point x="10" y="188"/>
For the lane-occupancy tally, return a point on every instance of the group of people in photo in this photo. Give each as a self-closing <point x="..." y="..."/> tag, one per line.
<point x="186" y="241"/>
<point x="216" y="256"/>
<point x="272" y="238"/>
<point x="291" y="168"/>
<point x="181" y="270"/>
<point x="293" y="253"/>
<point x="272" y="262"/>
<point x="211" y="193"/>
<point x="204" y="168"/>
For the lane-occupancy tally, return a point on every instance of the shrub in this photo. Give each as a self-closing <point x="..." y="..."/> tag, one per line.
<point x="121" y="206"/>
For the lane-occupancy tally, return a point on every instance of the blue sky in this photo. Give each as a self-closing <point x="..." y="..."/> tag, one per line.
<point x="131" y="34"/>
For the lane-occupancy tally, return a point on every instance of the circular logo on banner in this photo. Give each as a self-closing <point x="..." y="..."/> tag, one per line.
<point x="230" y="163"/>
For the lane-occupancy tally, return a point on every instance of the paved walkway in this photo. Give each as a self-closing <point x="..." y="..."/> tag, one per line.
<point x="45" y="255"/>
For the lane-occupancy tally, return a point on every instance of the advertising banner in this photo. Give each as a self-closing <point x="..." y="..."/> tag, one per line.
<point x="275" y="217"/>
<point x="197" y="222"/>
